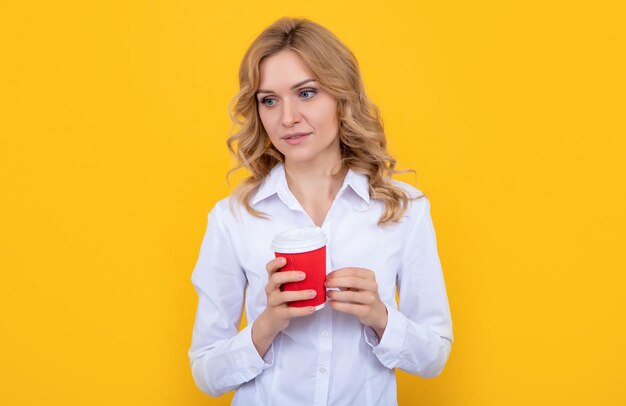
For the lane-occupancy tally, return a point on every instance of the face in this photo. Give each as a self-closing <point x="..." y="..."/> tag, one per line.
<point x="298" y="115"/>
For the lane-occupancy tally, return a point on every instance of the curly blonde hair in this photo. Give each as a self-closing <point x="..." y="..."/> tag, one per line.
<point x="362" y="138"/>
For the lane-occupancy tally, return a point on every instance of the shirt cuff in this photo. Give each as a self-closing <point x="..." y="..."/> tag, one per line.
<point x="245" y="357"/>
<point x="388" y="348"/>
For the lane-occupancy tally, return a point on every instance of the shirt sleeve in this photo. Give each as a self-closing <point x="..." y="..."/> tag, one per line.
<point x="221" y="357"/>
<point x="418" y="337"/>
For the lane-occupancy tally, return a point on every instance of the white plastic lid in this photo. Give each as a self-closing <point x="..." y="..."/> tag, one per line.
<point x="299" y="240"/>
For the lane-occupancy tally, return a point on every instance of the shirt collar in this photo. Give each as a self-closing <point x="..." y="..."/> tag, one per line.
<point x="276" y="183"/>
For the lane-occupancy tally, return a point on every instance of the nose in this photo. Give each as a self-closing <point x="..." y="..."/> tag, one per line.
<point x="291" y="114"/>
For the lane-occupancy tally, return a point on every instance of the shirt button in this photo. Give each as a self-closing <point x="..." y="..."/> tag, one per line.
<point x="324" y="334"/>
<point x="322" y="370"/>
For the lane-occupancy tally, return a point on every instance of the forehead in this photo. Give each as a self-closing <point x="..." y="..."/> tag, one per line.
<point x="282" y="70"/>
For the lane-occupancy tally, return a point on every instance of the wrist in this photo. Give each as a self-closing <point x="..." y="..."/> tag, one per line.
<point x="264" y="327"/>
<point x="260" y="327"/>
<point x="380" y="327"/>
<point x="262" y="334"/>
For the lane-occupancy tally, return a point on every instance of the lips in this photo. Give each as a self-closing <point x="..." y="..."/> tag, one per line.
<point x="293" y="136"/>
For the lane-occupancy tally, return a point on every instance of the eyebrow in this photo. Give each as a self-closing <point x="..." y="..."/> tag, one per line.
<point x="292" y="87"/>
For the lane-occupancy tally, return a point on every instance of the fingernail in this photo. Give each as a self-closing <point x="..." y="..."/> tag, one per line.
<point x="281" y="260"/>
<point x="301" y="276"/>
<point x="312" y="293"/>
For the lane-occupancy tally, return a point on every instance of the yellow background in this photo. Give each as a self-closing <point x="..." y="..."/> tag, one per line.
<point x="113" y="121"/>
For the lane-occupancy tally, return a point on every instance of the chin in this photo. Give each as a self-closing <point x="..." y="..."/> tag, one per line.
<point x="297" y="154"/>
<point x="297" y="158"/>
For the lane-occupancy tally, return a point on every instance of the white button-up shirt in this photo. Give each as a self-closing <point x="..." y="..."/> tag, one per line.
<point x="329" y="357"/>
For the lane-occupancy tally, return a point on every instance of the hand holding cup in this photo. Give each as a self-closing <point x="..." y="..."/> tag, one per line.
<point x="278" y="311"/>
<point x="295" y="285"/>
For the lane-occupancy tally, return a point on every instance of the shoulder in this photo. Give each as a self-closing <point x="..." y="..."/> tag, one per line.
<point x="410" y="189"/>
<point x="225" y="210"/>
<point x="419" y="204"/>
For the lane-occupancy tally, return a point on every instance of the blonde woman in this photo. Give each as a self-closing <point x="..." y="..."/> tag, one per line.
<point x="315" y="146"/>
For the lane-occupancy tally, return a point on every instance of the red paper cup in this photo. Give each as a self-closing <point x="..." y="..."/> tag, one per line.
<point x="305" y="250"/>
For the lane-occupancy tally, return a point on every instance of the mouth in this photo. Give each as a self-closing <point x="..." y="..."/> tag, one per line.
<point x="295" y="136"/>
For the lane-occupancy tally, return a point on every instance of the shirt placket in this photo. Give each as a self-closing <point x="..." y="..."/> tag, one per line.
<point x="324" y="355"/>
<point x="322" y="373"/>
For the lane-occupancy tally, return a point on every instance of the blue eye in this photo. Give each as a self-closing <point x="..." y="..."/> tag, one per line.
<point x="312" y="91"/>
<point x="306" y="94"/>
<point x="266" y="100"/>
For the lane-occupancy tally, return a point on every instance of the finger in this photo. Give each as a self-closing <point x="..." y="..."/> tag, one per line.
<point x="361" y="297"/>
<point x="280" y="278"/>
<point x="300" y="311"/>
<point x="350" y="271"/>
<point x="353" y="282"/>
<point x="274" y="265"/>
<point x="290" y="296"/>
<point x="357" y="310"/>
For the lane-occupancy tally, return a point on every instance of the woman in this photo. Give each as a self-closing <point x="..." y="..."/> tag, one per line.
<point x="316" y="149"/>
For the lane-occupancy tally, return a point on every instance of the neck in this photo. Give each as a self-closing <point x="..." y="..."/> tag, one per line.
<point x="310" y="182"/>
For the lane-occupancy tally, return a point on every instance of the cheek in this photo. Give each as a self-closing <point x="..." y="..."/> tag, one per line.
<point x="326" y="115"/>
<point x="327" y="119"/>
<point x="266" y="121"/>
